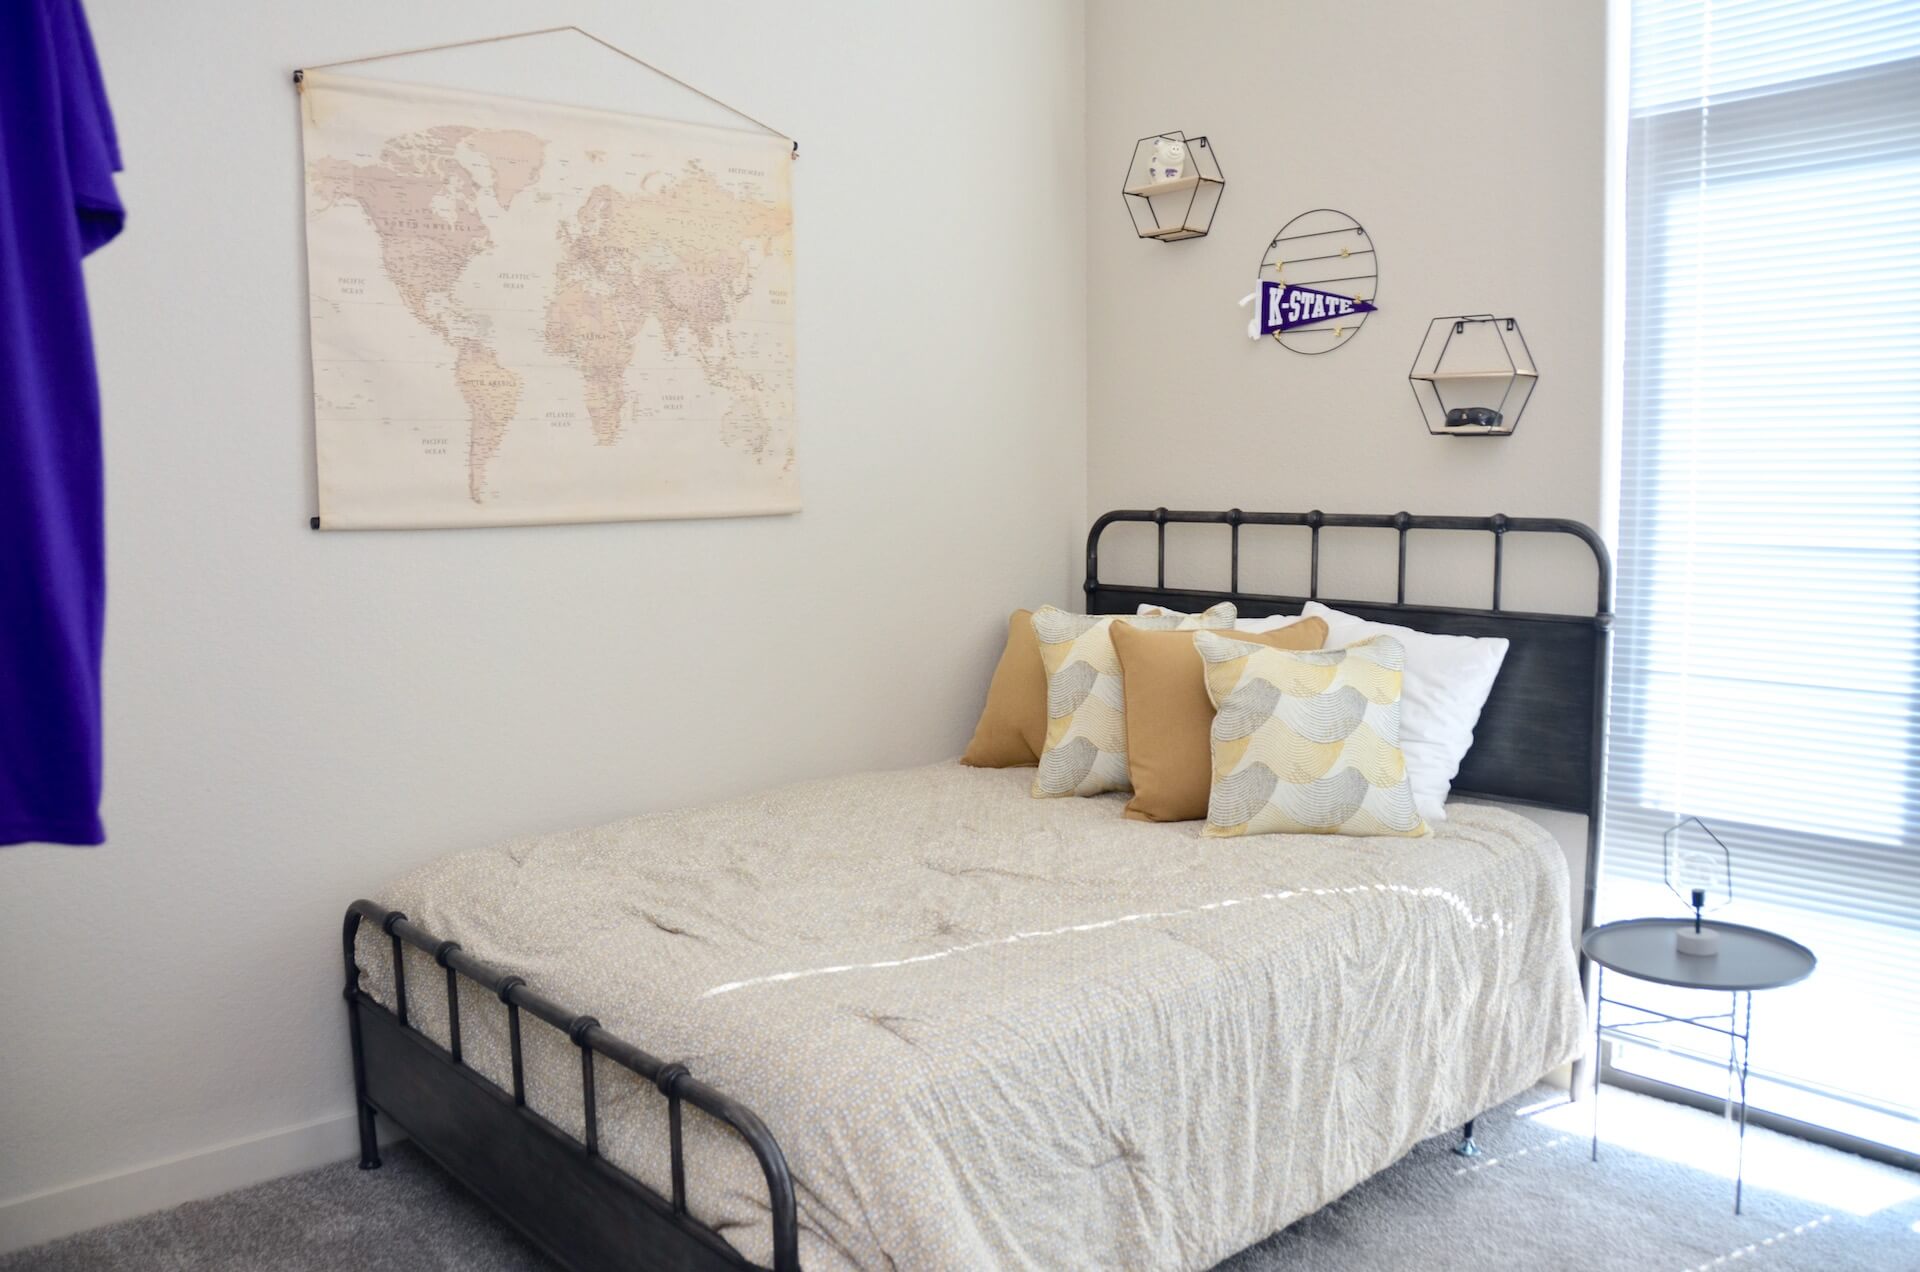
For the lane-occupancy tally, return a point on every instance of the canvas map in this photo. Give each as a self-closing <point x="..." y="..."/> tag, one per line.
<point x="526" y="313"/>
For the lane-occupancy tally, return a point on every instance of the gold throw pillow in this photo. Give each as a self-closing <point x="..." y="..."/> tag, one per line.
<point x="1013" y="726"/>
<point x="1169" y="715"/>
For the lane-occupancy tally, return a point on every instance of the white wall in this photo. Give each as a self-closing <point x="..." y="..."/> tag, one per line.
<point x="294" y="717"/>
<point x="1470" y="139"/>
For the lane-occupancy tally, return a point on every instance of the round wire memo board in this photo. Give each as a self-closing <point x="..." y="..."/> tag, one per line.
<point x="1328" y="250"/>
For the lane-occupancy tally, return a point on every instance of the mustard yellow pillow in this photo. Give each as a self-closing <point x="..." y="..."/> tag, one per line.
<point x="1307" y="742"/>
<point x="1170" y="717"/>
<point x="1013" y="726"/>
<point x="1086" y="750"/>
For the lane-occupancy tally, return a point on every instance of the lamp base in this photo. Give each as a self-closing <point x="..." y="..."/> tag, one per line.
<point x="1702" y="944"/>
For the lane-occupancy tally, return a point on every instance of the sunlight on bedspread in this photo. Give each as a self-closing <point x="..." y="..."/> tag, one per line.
<point x="1099" y="924"/>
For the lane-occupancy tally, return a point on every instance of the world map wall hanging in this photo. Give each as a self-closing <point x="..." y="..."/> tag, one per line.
<point x="529" y="313"/>
<point x="1317" y="282"/>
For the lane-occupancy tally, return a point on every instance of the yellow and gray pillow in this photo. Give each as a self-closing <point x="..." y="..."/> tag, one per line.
<point x="1086" y="748"/>
<point x="1306" y="741"/>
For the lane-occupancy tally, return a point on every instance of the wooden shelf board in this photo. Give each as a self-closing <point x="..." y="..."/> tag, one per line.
<point x="1476" y="375"/>
<point x="1171" y="232"/>
<point x="1474" y="430"/>
<point x="1163" y="187"/>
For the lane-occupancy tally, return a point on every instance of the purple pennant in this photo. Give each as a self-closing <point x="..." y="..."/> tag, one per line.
<point x="1285" y="306"/>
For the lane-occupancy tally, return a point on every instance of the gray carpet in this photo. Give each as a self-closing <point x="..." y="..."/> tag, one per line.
<point x="1661" y="1198"/>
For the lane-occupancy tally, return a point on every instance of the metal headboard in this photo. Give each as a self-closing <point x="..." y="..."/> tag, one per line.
<point x="1542" y="736"/>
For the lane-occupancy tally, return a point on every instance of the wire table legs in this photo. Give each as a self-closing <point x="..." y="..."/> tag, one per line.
<point x="1739" y="1034"/>
<point x="1741" y="1042"/>
<point x="1599" y="1027"/>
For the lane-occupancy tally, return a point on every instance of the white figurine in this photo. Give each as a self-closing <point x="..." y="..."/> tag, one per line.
<point x="1169" y="160"/>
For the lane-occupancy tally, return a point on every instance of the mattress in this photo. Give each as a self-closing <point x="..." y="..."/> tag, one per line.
<point x="991" y="1031"/>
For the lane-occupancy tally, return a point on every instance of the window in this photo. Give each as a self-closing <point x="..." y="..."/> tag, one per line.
<point x="1767" y="661"/>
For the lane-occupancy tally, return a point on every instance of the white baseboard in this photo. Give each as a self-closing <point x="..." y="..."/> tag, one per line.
<point x="89" y="1203"/>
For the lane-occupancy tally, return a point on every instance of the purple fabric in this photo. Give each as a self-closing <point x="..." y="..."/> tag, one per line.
<point x="58" y="155"/>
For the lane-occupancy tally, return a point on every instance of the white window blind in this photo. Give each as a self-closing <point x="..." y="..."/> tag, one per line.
<point x="1767" y="660"/>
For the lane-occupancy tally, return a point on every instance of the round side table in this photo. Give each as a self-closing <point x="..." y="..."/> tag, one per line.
<point x="1748" y="959"/>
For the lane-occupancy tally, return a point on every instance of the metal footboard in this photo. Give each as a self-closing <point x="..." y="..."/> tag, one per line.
<point x="558" y="1190"/>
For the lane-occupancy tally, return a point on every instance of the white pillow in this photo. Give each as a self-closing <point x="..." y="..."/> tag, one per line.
<point x="1446" y="682"/>
<point x="1273" y="624"/>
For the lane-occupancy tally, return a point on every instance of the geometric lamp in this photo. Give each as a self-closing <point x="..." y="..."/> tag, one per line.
<point x="1699" y="870"/>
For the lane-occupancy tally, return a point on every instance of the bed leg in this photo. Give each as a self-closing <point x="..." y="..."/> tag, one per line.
<point x="1466" y="1147"/>
<point x="369" y="1138"/>
<point x="369" y="1141"/>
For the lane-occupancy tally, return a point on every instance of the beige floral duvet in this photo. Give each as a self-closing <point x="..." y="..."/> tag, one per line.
<point x="991" y="1031"/>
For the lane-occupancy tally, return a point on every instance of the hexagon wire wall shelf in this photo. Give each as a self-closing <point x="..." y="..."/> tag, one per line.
<point x="1173" y="187"/>
<point x="1473" y="376"/>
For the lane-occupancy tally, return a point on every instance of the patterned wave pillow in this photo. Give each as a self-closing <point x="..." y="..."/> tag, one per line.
<point x="1086" y="750"/>
<point x="1448" y="680"/>
<point x="1307" y="741"/>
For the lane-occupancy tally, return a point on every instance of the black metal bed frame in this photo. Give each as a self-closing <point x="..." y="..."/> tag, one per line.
<point x="1540" y="740"/>
<point x="557" y="1190"/>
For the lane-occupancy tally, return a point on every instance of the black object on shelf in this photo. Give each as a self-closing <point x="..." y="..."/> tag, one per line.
<point x="1172" y="188"/>
<point x="1473" y="376"/>
<point x="1484" y="418"/>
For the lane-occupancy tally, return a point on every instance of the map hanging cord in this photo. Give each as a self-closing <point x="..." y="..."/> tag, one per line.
<point x="299" y="74"/>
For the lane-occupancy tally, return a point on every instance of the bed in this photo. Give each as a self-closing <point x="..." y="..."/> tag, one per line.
<point x="918" y="1019"/>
